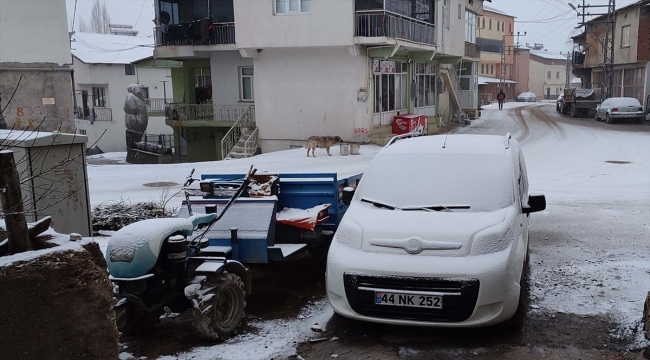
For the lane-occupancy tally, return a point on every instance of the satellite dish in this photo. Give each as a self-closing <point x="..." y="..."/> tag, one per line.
<point x="165" y="17"/>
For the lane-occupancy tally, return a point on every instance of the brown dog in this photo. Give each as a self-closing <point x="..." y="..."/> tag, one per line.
<point x="322" y="142"/>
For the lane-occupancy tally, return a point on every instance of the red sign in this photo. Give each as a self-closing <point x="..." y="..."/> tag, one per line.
<point x="403" y="124"/>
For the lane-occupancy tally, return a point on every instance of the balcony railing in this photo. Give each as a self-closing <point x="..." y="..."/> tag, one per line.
<point x="94" y="114"/>
<point x="200" y="32"/>
<point x="191" y="112"/>
<point x="472" y="50"/>
<point x="157" y="105"/>
<point x="392" y="25"/>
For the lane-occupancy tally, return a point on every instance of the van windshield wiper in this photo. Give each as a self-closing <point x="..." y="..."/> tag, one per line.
<point x="436" y="208"/>
<point x="379" y="205"/>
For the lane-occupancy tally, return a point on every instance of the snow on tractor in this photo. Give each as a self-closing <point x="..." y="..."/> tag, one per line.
<point x="158" y="263"/>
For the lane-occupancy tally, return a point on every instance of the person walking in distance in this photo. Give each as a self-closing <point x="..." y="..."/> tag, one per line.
<point x="501" y="96"/>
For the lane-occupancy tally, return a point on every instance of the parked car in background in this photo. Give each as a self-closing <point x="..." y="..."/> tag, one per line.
<point x="527" y="97"/>
<point x="558" y="103"/>
<point x="620" y="109"/>
<point x="449" y="255"/>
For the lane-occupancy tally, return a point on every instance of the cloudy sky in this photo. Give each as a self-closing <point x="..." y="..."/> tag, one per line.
<point x="550" y="22"/>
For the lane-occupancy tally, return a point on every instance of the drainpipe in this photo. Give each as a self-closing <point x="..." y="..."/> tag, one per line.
<point x="409" y="90"/>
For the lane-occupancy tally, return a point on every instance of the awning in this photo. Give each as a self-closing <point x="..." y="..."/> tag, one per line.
<point x="484" y="80"/>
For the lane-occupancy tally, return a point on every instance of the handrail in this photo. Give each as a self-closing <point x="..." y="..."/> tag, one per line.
<point x="252" y="143"/>
<point x="246" y="120"/>
<point x="379" y="11"/>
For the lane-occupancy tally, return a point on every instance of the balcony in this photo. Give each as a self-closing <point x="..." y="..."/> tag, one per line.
<point x="203" y="114"/>
<point x="200" y="32"/>
<point x="380" y="23"/>
<point x="94" y="114"/>
<point x="472" y="50"/>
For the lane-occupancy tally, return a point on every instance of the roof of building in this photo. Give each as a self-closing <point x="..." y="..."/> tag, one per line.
<point x="496" y="11"/>
<point x="484" y="80"/>
<point x="576" y="80"/>
<point x="640" y="2"/>
<point x="548" y="54"/>
<point x="111" y="49"/>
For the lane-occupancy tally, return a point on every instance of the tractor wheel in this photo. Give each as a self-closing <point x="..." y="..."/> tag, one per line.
<point x="218" y="306"/>
<point x="574" y="111"/>
<point x="131" y="320"/>
<point x="608" y="119"/>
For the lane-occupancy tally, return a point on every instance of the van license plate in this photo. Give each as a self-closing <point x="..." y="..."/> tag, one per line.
<point x="408" y="300"/>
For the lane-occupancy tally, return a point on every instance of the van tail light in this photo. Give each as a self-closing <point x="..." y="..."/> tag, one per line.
<point x="615" y="109"/>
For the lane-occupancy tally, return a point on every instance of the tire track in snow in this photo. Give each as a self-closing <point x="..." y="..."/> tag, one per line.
<point x="517" y="114"/>
<point x="537" y="112"/>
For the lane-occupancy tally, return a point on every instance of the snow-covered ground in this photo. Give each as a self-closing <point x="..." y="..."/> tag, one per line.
<point x="126" y="182"/>
<point x="590" y="250"/>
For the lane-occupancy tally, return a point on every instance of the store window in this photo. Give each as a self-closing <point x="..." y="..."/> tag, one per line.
<point x="390" y="87"/>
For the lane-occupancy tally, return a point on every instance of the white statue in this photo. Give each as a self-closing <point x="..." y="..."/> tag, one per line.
<point x="136" y="116"/>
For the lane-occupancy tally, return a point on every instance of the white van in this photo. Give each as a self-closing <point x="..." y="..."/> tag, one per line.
<point x="436" y="234"/>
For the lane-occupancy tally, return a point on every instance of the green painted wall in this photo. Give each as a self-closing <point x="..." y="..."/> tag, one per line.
<point x="203" y="144"/>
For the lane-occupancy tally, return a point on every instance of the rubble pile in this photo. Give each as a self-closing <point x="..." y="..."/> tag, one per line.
<point x="115" y="216"/>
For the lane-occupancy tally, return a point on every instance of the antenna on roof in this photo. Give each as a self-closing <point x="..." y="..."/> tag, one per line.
<point x="444" y="145"/>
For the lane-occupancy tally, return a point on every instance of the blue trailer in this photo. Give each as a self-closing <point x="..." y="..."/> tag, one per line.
<point x="250" y="231"/>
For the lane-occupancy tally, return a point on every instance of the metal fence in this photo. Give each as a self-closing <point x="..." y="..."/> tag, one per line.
<point x="392" y="25"/>
<point x="199" y="32"/>
<point x="472" y="50"/>
<point x="209" y="112"/>
<point x="94" y="114"/>
<point x="157" y="105"/>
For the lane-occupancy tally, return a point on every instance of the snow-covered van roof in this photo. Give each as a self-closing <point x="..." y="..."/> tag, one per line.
<point x="454" y="144"/>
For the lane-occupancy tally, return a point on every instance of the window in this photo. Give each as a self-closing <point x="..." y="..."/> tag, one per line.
<point x="557" y="75"/>
<point x="470" y="27"/>
<point x="99" y="96"/>
<point x="490" y="24"/>
<point x="292" y="6"/>
<point x="483" y="23"/>
<point x="460" y="11"/>
<point x="446" y="13"/>
<point x="390" y="85"/>
<point x="171" y="9"/>
<point x="492" y="69"/>
<point x="129" y="69"/>
<point x="425" y="76"/>
<point x="482" y="68"/>
<point x="417" y="9"/>
<point x="625" y="36"/>
<point x="498" y="25"/>
<point x="145" y="91"/>
<point x="246" y="89"/>
<point x="509" y="28"/>
<point x="548" y="74"/>
<point x="81" y="132"/>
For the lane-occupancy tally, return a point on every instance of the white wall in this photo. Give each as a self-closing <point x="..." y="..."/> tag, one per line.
<point x="34" y="31"/>
<point x="451" y="37"/>
<point x="538" y="80"/>
<point x="306" y="92"/>
<point x="225" y="76"/>
<point x="330" y="23"/>
<point x="113" y="78"/>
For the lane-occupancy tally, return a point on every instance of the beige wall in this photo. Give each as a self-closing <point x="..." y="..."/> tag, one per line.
<point x="627" y="54"/>
<point x="539" y="81"/>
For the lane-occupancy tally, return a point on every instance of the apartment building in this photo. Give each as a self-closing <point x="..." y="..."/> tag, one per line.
<point x="35" y="66"/>
<point x="284" y="70"/>
<point x="631" y="52"/>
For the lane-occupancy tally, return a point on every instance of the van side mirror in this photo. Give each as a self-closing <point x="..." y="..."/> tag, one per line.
<point x="348" y="194"/>
<point x="536" y="202"/>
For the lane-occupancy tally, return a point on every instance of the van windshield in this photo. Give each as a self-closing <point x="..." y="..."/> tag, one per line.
<point x="483" y="182"/>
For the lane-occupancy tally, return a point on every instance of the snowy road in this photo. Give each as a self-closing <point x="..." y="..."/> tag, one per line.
<point x="590" y="259"/>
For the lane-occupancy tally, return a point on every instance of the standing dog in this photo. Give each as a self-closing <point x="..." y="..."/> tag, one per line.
<point x="322" y="142"/>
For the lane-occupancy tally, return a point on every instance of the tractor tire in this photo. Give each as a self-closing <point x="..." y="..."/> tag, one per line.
<point x="218" y="306"/>
<point x="574" y="111"/>
<point x="131" y="320"/>
<point x="563" y="110"/>
<point x="608" y="119"/>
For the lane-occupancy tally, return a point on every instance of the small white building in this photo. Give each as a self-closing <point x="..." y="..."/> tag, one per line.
<point x="547" y="76"/>
<point x="322" y="67"/>
<point x="104" y="66"/>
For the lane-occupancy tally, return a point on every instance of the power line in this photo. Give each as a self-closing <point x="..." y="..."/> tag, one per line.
<point x="136" y="24"/>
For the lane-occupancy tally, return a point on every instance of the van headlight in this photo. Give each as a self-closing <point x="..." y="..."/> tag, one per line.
<point x="350" y="234"/>
<point x="492" y="239"/>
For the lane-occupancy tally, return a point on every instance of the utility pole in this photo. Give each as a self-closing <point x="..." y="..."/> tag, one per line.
<point x="607" y="81"/>
<point x="504" y="63"/>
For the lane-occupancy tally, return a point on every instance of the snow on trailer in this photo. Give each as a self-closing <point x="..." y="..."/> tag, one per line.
<point x="279" y="216"/>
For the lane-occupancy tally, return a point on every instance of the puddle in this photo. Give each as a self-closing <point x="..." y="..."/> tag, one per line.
<point x="161" y="184"/>
<point x="617" y="162"/>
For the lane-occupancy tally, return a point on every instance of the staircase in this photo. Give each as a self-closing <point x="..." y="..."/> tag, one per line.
<point x="452" y="83"/>
<point x="247" y="145"/>
<point x="242" y="140"/>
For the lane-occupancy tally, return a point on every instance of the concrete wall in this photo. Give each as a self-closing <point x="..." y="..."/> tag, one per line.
<point x="539" y="80"/>
<point x="113" y="78"/>
<point x="225" y="76"/>
<point x="522" y="70"/>
<point x="627" y="17"/>
<point x="34" y="31"/>
<point x="330" y="23"/>
<point x="43" y="97"/>
<point x="305" y="92"/>
<point x="451" y="36"/>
